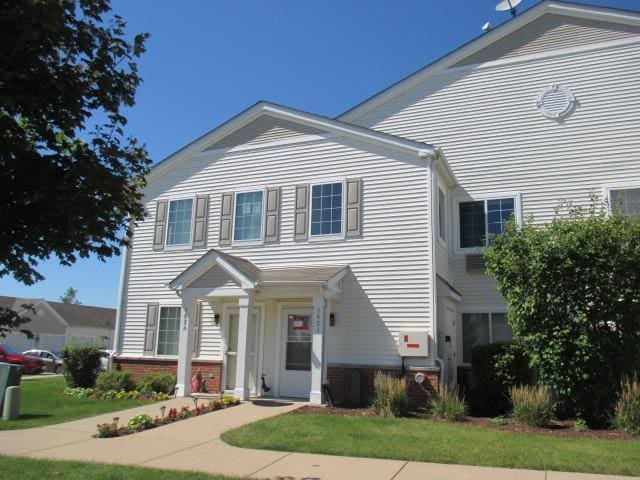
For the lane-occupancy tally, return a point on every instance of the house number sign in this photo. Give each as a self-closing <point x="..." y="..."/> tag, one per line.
<point x="316" y="322"/>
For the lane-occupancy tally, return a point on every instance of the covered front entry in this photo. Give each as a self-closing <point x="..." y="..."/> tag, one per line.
<point x="273" y="324"/>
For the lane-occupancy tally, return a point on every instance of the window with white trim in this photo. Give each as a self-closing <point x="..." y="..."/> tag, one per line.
<point x="326" y="209"/>
<point x="483" y="220"/>
<point x="168" y="330"/>
<point x="179" y="222"/>
<point x="483" y="328"/>
<point x="247" y="223"/>
<point x="442" y="212"/>
<point x="626" y="201"/>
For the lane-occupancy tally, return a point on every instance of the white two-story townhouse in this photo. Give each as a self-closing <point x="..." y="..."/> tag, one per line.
<point x="292" y="255"/>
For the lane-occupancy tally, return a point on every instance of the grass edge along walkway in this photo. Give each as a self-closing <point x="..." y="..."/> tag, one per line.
<point x="437" y="442"/>
<point x="22" y="468"/>
<point x="42" y="403"/>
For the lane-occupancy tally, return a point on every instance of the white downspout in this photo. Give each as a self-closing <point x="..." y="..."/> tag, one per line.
<point x="434" y="288"/>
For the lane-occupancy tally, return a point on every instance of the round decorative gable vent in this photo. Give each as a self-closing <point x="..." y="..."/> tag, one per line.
<point x="556" y="102"/>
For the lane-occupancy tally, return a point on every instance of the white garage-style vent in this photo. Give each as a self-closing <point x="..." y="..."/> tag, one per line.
<point x="556" y="102"/>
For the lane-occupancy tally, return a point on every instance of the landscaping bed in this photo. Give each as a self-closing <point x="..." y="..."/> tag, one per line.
<point x="557" y="428"/>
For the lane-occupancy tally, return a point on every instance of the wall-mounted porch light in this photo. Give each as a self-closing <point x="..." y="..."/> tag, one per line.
<point x="216" y="319"/>
<point x="332" y="319"/>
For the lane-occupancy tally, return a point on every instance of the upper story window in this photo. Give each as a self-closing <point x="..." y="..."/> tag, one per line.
<point x="482" y="328"/>
<point x="179" y="222"/>
<point x="483" y="220"/>
<point x="442" y="215"/>
<point x="626" y="201"/>
<point x="247" y="223"/>
<point x="326" y="209"/>
<point x="168" y="331"/>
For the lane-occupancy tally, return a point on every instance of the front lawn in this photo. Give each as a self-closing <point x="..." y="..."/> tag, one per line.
<point x="42" y="403"/>
<point x="16" y="468"/>
<point x="439" y="442"/>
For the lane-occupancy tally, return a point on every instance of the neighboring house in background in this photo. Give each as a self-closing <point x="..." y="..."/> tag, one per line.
<point x="314" y="251"/>
<point x="56" y="324"/>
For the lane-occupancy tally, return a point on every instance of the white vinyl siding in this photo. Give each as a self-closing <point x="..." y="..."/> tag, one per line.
<point x="442" y="215"/>
<point x="496" y="141"/>
<point x="180" y="222"/>
<point x="168" y="331"/>
<point x="387" y="289"/>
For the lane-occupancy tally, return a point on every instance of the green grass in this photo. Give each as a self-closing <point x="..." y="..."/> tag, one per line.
<point x="42" y="403"/>
<point x="428" y="441"/>
<point x="17" y="468"/>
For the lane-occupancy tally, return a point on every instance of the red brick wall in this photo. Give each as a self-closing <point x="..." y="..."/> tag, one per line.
<point x="339" y="379"/>
<point x="211" y="369"/>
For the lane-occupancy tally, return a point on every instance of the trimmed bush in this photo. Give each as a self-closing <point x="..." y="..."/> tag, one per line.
<point x="157" y="382"/>
<point x="391" y="398"/>
<point x="81" y="365"/>
<point x="496" y="368"/>
<point x="532" y="405"/>
<point x="627" y="416"/>
<point x="448" y="405"/>
<point x="117" y="381"/>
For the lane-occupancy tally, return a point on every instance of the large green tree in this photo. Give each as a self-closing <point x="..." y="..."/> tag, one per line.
<point x="71" y="177"/>
<point x="573" y="292"/>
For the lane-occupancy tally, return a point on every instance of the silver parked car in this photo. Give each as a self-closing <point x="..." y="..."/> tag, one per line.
<point x="53" y="363"/>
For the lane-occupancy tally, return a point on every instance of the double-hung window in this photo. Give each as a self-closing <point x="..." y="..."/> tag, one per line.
<point x="326" y="209"/>
<point x="626" y="201"/>
<point x="483" y="220"/>
<point x="168" y="331"/>
<point x="482" y="328"/>
<point x="247" y="224"/>
<point x="179" y="222"/>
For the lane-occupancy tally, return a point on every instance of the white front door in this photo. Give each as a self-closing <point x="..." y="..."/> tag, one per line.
<point x="295" y="364"/>
<point x="231" y="352"/>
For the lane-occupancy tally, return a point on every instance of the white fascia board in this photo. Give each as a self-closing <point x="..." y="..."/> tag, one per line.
<point x="202" y="265"/>
<point x="485" y="40"/>
<point x="293" y="115"/>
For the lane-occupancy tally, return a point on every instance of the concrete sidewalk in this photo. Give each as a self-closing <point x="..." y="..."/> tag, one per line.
<point x="195" y="444"/>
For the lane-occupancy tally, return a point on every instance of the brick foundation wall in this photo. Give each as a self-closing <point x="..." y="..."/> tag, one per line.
<point x="340" y="379"/>
<point x="211" y="369"/>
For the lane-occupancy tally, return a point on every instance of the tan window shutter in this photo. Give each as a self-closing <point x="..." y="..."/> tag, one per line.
<point x="160" y="225"/>
<point x="150" y="329"/>
<point x="197" y="322"/>
<point x="226" y="217"/>
<point x="200" y="223"/>
<point x="354" y="207"/>
<point x="301" y="226"/>
<point x="272" y="215"/>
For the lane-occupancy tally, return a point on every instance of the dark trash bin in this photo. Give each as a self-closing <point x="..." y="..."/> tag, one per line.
<point x="10" y="376"/>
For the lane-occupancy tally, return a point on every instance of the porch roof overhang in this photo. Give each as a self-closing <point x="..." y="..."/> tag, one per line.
<point x="249" y="276"/>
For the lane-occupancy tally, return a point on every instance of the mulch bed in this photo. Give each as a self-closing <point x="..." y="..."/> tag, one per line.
<point x="559" y="428"/>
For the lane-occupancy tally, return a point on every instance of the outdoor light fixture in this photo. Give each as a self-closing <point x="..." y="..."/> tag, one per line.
<point x="332" y="319"/>
<point x="216" y="319"/>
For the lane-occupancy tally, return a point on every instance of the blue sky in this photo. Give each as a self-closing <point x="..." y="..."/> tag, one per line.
<point x="208" y="60"/>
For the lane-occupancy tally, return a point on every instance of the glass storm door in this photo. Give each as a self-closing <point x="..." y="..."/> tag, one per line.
<point x="295" y="377"/>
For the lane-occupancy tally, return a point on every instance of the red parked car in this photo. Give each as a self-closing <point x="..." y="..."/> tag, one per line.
<point x="31" y="365"/>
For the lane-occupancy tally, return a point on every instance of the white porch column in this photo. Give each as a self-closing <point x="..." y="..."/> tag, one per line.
<point x="245" y="308"/>
<point x="183" y="384"/>
<point x="317" y="348"/>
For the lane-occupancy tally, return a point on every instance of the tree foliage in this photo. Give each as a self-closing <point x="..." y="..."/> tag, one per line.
<point x="71" y="177"/>
<point x="70" y="296"/>
<point x="573" y="292"/>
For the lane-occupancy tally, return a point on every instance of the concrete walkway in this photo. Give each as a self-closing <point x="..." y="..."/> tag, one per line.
<point x="195" y="444"/>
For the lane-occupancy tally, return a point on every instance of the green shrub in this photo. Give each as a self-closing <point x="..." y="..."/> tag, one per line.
<point x="116" y="381"/>
<point x="391" y="398"/>
<point x="81" y="365"/>
<point x="447" y="404"/>
<point x="140" y="422"/>
<point x="580" y="425"/>
<point x="627" y="413"/>
<point x="157" y="382"/>
<point x="496" y="368"/>
<point x="532" y="405"/>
